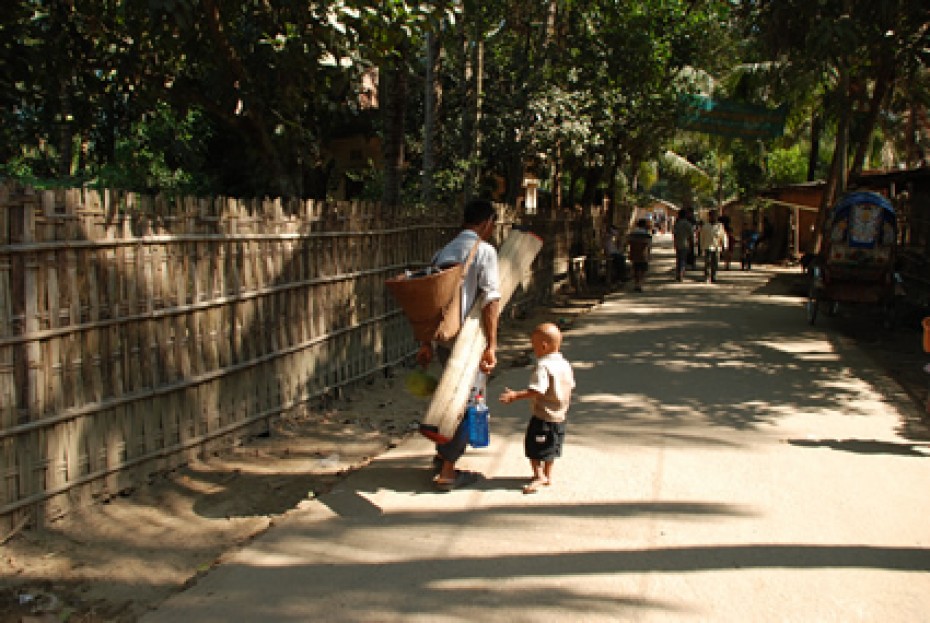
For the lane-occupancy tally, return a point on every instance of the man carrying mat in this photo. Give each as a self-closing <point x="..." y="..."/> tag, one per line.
<point x="481" y="287"/>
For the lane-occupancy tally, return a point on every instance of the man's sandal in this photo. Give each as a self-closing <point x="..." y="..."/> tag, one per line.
<point x="462" y="479"/>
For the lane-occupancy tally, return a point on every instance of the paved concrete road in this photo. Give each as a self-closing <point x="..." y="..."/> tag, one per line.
<point x="725" y="462"/>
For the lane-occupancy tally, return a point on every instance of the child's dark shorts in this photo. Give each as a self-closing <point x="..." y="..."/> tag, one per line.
<point x="543" y="441"/>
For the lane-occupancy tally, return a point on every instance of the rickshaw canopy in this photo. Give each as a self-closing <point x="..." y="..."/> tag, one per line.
<point x="863" y="220"/>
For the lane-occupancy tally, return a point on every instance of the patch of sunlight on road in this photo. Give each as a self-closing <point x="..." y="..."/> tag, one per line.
<point x="785" y="300"/>
<point x="729" y="355"/>
<point x="860" y="393"/>
<point x="650" y="324"/>
<point x="850" y="384"/>
<point x="682" y="411"/>
<point x="807" y="347"/>
<point x="850" y="395"/>
<point x="819" y="357"/>
<point x="610" y="399"/>
<point x="652" y="310"/>
<point x="644" y="404"/>
<point x="684" y="365"/>
<point x="755" y="405"/>
<point x="779" y="413"/>
<point x="737" y="365"/>
<point x="584" y="365"/>
<point x="362" y="547"/>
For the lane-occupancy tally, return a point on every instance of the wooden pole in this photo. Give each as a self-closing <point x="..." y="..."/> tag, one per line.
<point x="447" y="407"/>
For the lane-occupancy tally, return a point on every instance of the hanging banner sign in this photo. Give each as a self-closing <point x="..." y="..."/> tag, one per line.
<point x="729" y="118"/>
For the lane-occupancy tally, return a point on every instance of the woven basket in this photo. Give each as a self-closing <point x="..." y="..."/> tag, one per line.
<point x="426" y="300"/>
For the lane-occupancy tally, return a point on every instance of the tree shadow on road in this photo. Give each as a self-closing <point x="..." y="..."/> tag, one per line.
<point x="866" y="446"/>
<point x="702" y="358"/>
<point x="489" y="584"/>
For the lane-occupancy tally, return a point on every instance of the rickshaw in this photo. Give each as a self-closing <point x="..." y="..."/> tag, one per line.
<point x="856" y="262"/>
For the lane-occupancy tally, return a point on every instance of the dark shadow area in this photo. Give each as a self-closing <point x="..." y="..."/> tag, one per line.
<point x="349" y="501"/>
<point x="784" y="284"/>
<point x="866" y="446"/>
<point x="238" y="494"/>
<point x="436" y="582"/>
<point x="453" y="602"/>
<point x="896" y="351"/>
<point x="663" y="560"/>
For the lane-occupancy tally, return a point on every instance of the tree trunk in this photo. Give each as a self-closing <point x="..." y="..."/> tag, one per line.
<point x="814" y="159"/>
<point x="592" y="179"/>
<point x="864" y="139"/>
<point x="479" y="105"/>
<point x="514" y="174"/>
<point x="65" y="139"/>
<point x="255" y="114"/>
<point x="548" y="53"/>
<point x="551" y="23"/>
<point x="836" y="182"/>
<point x="394" y="79"/>
<point x="60" y="138"/>
<point x="610" y="193"/>
<point x="431" y="99"/>
<point x="719" y="183"/>
<point x="557" y="179"/>
<point x="474" y="73"/>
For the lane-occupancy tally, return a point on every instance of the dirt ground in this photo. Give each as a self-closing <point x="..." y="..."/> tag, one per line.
<point x="113" y="561"/>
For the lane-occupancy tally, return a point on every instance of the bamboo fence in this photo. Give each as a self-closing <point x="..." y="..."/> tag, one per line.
<point x="138" y="332"/>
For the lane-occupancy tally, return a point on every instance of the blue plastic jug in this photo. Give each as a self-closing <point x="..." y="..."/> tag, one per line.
<point x="479" y="430"/>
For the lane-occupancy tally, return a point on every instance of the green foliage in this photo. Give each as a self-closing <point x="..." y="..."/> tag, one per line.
<point x="648" y="175"/>
<point x="371" y="182"/>
<point x="161" y="153"/>
<point x="787" y="166"/>
<point x="450" y="180"/>
<point x="832" y="58"/>
<point x="271" y="85"/>
<point x="231" y="97"/>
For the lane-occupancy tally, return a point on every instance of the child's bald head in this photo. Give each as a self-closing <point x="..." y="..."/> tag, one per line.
<point x="546" y="338"/>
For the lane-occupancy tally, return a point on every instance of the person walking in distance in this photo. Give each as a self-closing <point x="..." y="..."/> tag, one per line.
<point x="615" y="259"/>
<point x="713" y="242"/>
<point x="683" y="236"/>
<point x="640" y="243"/>
<point x="727" y="254"/>
<point x="481" y="287"/>
<point x="748" y="242"/>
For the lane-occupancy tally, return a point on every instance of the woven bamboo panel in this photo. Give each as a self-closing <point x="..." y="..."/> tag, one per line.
<point x="139" y="332"/>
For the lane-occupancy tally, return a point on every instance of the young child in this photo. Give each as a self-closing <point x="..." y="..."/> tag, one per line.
<point x="550" y="390"/>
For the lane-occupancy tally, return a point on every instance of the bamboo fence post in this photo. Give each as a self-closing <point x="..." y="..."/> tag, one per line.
<point x="30" y="456"/>
<point x="9" y="489"/>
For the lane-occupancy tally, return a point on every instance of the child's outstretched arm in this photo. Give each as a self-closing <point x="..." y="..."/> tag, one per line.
<point x="509" y="395"/>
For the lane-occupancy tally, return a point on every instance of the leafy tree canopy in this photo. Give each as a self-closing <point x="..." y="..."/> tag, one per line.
<point x="242" y="98"/>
